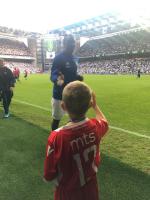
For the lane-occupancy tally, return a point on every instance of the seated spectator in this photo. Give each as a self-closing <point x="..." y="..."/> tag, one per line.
<point x="131" y="42"/>
<point x="119" y="66"/>
<point x="13" y="47"/>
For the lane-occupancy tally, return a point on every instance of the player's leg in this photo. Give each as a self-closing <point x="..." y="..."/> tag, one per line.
<point x="5" y="104"/>
<point x="18" y="78"/>
<point x="9" y="96"/>
<point x="55" y="124"/>
<point x="57" y="113"/>
<point x="0" y="95"/>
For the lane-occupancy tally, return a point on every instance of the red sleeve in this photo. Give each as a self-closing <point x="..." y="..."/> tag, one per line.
<point x="102" y="127"/>
<point x="53" y="153"/>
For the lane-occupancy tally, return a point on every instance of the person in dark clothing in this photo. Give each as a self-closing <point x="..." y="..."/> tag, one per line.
<point x="139" y="73"/>
<point x="63" y="71"/>
<point x="25" y="74"/>
<point x="7" y="82"/>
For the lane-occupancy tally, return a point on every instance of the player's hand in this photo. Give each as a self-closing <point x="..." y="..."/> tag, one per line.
<point x="60" y="79"/>
<point x="79" y="77"/>
<point x="11" y="89"/>
<point x="93" y="103"/>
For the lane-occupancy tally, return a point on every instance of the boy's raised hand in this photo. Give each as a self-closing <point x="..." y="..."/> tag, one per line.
<point x="98" y="112"/>
<point x="94" y="104"/>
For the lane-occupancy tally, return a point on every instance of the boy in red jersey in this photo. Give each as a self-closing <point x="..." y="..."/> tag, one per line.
<point x="72" y="154"/>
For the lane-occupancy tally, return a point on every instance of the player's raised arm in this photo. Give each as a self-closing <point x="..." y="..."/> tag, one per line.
<point x="55" y="70"/>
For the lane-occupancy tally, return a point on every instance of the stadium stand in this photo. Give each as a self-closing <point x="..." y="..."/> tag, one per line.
<point x="13" y="47"/>
<point x="18" y="49"/>
<point x="22" y="66"/>
<point x="117" y="66"/>
<point x="127" y="43"/>
<point x="113" y="45"/>
<point x="122" y="53"/>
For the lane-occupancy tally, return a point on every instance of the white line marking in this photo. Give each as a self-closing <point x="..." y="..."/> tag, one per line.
<point x="30" y="104"/>
<point x="112" y="127"/>
<point x="130" y="132"/>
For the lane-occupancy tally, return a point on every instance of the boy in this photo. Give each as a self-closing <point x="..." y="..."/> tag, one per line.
<point x="72" y="154"/>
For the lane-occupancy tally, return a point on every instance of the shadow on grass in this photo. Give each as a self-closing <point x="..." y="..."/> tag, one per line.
<point x="119" y="181"/>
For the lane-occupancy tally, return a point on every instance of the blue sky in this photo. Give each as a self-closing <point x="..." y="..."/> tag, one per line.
<point x="41" y="16"/>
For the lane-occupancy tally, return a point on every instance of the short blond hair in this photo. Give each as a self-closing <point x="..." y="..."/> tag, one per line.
<point x="77" y="97"/>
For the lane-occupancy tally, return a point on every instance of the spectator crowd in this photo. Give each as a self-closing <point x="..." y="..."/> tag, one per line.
<point x="13" y="47"/>
<point x="22" y="66"/>
<point x="132" y="42"/>
<point x="119" y="66"/>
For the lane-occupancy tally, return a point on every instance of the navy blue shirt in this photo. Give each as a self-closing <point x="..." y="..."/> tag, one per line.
<point x="67" y="65"/>
<point x="6" y="78"/>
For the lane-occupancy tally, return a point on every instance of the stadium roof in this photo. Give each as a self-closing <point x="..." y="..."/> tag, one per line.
<point x="106" y="23"/>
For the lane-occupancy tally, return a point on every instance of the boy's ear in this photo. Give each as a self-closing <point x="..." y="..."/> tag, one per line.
<point x="63" y="106"/>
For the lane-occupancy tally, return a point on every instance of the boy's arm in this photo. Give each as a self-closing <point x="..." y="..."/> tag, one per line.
<point x="51" y="159"/>
<point x="98" y="112"/>
<point x="102" y="123"/>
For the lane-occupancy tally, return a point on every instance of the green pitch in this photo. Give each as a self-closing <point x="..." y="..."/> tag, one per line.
<point x="124" y="173"/>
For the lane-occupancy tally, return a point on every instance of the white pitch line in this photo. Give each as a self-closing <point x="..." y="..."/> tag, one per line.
<point x="30" y="104"/>
<point x="130" y="132"/>
<point x="112" y="127"/>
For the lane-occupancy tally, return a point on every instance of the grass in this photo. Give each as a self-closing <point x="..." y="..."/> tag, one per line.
<point x="125" y="168"/>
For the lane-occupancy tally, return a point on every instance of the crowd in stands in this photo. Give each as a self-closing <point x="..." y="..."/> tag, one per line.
<point x="22" y="66"/>
<point x="119" y="66"/>
<point x="131" y="42"/>
<point x="13" y="47"/>
<point x="118" y="44"/>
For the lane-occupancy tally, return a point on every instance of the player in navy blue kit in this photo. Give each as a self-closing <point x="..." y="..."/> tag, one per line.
<point x="7" y="82"/>
<point x="64" y="71"/>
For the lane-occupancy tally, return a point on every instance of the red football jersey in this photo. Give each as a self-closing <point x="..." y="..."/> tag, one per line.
<point x="72" y="157"/>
